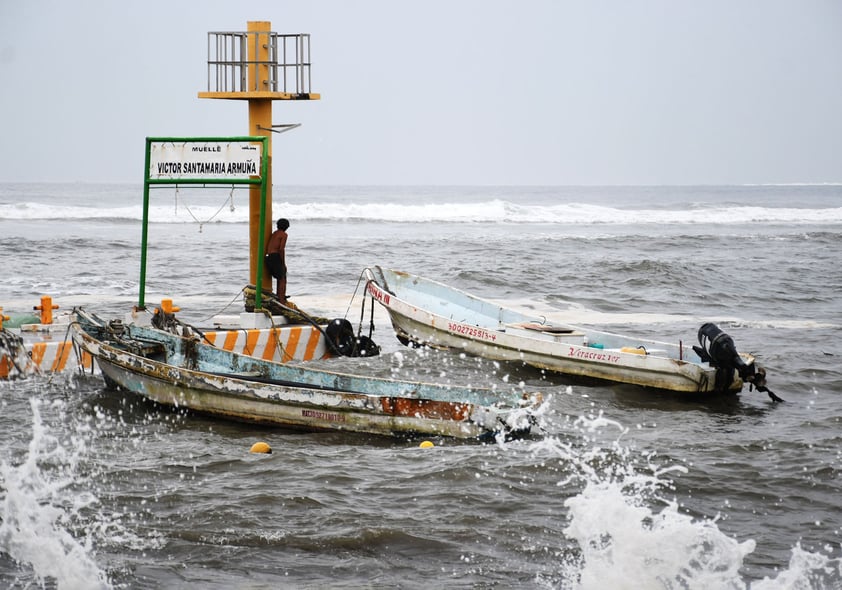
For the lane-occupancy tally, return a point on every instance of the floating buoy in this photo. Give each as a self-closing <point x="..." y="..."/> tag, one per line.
<point x="426" y="444"/>
<point x="261" y="447"/>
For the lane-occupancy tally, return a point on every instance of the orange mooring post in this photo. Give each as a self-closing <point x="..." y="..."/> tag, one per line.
<point x="168" y="307"/>
<point x="46" y="308"/>
<point x="3" y="318"/>
<point x="259" y="66"/>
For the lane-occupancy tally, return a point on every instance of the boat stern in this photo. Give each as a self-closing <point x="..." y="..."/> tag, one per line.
<point x="511" y="423"/>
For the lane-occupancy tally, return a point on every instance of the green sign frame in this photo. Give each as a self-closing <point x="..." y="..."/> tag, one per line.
<point x="251" y="180"/>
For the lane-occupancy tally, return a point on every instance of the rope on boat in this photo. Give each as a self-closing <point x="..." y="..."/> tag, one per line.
<point x="77" y="348"/>
<point x="229" y="304"/>
<point x="362" y="308"/>
<point x="169" y="323"/>
<point x="339" y="333"/>
<point x="340" y="337"/>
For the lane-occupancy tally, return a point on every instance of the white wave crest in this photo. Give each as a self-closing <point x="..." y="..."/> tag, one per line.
<point x="490" y="211"/>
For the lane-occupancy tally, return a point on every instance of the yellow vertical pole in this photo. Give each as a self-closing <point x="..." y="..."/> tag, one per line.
<point x="260" y="124"/>
<point x="261" y="67"/>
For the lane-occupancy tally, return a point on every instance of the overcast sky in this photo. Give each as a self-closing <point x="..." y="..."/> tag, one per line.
<point x="442" y="92"/>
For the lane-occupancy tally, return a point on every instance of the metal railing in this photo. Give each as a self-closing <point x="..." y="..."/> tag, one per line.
<point x="287" y="67"/>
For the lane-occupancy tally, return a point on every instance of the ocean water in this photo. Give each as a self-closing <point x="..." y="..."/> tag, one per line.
<point x="625" y="489"/>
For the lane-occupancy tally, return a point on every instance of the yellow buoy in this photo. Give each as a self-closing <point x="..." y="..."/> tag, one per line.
<point x="426" y="444"/>
<point x="631" y="350"/>
<point x="261" y="447"/>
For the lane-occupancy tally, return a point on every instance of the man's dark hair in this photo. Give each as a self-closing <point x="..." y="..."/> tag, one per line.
<point x="283" y="224"/>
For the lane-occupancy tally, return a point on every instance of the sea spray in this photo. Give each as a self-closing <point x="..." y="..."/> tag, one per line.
<point x="806" y="571"/>
<point x="629" y="534"/>
<point x="622" y="540"/>
<point x="39" y="508"/>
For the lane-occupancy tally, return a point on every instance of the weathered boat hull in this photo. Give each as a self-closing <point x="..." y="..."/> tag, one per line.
<point x="261" y="392"/>
<point x="417" y="309"/>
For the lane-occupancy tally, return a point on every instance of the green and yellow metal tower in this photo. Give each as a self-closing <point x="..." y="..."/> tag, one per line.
<point x="259" y="66"/>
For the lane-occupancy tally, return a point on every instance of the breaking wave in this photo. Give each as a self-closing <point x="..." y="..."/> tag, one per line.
<point x="490" y="211"/>
<point x="629" y="532"/>
<point x="42" y="526"/>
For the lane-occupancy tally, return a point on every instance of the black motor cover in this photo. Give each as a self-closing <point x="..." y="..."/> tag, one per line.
<point x="718" y="349"/>
<point x="342" y="340"/>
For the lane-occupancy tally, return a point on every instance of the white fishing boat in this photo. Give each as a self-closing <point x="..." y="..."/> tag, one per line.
<point x="426" y="312"/>
<point x="181" y="371"/>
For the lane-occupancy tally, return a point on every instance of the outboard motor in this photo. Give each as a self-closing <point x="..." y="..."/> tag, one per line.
<point x="718" y="349"/>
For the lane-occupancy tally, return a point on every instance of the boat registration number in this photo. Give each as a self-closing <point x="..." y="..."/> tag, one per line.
<point x="471" y="331"/>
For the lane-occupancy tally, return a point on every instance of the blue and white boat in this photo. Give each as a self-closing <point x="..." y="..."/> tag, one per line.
<point x="426" y="312"/>
<point x="182" y="371"/>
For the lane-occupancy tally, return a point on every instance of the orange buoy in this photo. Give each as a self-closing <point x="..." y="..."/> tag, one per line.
<point x="261" y="447"/>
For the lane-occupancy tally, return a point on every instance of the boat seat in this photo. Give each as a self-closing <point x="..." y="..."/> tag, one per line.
<point x="546" y="332"/>
<point x="548" y="328"/>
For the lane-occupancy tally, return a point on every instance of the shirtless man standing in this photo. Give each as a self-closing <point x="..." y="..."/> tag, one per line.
<point x="276" y="259"/>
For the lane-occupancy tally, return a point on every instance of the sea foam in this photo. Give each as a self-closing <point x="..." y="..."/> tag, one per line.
<point x="631" y="533"/>
<point x="491" y="211"/>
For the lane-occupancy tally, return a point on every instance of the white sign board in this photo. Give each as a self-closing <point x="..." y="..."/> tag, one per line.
<point x="203" y="159"/>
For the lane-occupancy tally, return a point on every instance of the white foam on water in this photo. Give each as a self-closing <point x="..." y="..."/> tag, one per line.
<point x="218" y="209"/>
<point x="39" y="507"/>
<point x="631" y="535"/>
